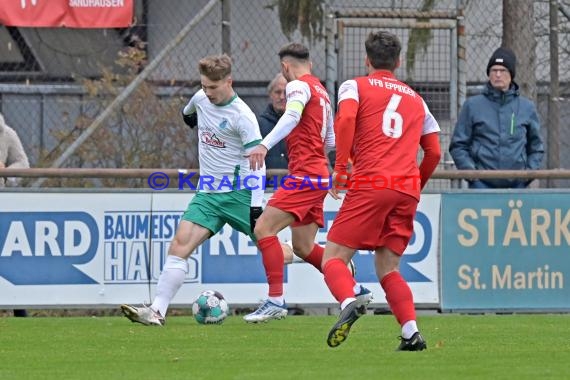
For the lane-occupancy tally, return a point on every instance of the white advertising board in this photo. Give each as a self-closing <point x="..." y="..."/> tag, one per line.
<point x="104" y="249"/>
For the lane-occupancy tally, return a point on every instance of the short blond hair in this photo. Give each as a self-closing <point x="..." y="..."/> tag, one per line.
<point x="274" y="81"/>
<point x="215" y="67"/>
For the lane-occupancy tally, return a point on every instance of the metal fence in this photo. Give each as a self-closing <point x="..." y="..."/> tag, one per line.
<point x="56" y="83"/>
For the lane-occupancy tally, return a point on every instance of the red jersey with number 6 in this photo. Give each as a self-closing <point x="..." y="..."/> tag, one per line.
<point x="305" y="143"/>
<point x="390" y="122"/>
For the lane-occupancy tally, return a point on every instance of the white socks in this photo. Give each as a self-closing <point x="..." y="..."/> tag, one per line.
<point x="170" y="280"/>
<point x="277" y="300"/>
<point x="409" y="329"/>
<point x="297" y="260"/>
<point x="346" y="302"/>
<point x="357" y="288"/>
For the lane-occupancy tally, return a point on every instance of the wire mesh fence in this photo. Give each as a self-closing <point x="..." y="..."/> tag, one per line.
<point x="55" y="82"/>
<point x="431" y="72"/>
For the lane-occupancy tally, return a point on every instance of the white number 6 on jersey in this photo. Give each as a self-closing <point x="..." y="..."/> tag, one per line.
<point x="392" y="121"/>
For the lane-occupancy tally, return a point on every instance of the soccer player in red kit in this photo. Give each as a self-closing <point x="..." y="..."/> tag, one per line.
<point x="307" y="126"/>
<point x="381" y="123"/>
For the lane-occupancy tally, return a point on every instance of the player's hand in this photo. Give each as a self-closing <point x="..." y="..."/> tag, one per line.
<point x="254" y="214"/>
<point x="257" y="157"/>
<point x="341" y="181"/>
<point x="190" y="120"/>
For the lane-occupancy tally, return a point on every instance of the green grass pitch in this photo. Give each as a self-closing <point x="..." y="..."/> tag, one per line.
<point x="459" y="347"/>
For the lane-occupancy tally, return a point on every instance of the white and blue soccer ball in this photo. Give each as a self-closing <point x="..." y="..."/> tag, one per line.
<point x="210" y="308"/>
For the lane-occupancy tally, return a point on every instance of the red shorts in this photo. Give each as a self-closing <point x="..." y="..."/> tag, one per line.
<point x="369" y="219"/>
<point x="303" y="201"/>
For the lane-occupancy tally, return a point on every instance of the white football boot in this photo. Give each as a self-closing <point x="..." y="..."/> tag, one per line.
<point x="144" y="315"/>
<point x="266" y="311"/>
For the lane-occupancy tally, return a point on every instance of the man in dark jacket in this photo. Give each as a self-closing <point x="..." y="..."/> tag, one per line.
<point x="498" y="129"/>
<point x="277" y="157"/>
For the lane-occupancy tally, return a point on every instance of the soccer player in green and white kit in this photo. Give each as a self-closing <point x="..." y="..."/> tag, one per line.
<point x="227" y="130"/>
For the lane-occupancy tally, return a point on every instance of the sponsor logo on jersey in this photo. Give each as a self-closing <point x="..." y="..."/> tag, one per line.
<point x="294" y="93"/>
<point x="224" y="124"/>
<point x="211" y="139"/>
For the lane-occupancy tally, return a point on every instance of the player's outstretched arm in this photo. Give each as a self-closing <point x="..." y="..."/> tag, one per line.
<point x="256" y="182"/>
<point x="432" y="155"/>
<point x="344" y="125"/>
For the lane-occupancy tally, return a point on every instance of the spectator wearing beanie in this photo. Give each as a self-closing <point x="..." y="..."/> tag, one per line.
<point x="498" y="129"/>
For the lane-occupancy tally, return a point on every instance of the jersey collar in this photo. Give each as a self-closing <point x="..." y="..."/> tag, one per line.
<point x="228" y="102"/>
<point x="382" y="73"/>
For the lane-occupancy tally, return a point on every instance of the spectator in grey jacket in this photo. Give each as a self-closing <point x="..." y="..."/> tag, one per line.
<point x="498" y="129"/>
<point x="277" y="157"/>
<point x="12" y="153"/>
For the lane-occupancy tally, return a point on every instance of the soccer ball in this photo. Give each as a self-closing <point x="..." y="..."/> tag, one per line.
<point x="210" y="308"/>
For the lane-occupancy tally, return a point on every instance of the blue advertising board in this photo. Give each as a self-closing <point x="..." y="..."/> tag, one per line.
<point x="505" y="251"/>
<point x="75" y="248"/>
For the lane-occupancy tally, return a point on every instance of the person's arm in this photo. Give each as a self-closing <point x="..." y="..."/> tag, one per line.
<point x="16" y="158"/>
<point x="330" y="142"/>
<point x="189" y="112"/>
<point x="298" y="94"/>
<point x="251" y="137"/>
<point x="432" y="155"/>
<point x="256" y="184"/>
<point x="190" y="120"/>
<point x="345" y="123"/>
<point x="430" y="145"/>
<point x="287" y="122"/>
<point x="534" y="144"/>
<point x="460" y="145"/>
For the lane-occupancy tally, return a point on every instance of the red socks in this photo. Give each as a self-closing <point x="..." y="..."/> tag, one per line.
<point x="338" y="279"/>
<point x="272" y="255"/>
<point x="315" y="258"/>
<point x="399" y="297"/>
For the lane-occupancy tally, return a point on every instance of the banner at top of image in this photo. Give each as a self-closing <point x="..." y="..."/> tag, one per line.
<point x="67" y="13"/>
